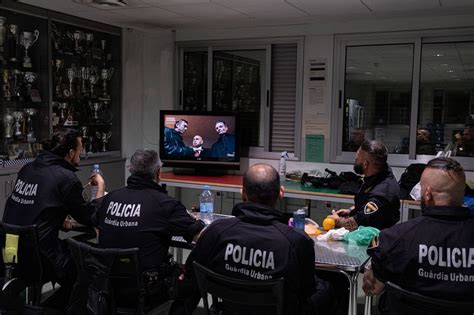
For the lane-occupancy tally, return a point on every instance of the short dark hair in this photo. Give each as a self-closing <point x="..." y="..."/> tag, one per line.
<point x="220" y="121"/>
<point x="261" y="184"/>
<point x="445" y="164"/>
<point x="180" y="120"/>
<point x="145" y="163"/>
<point x="61" y="141"/>
<point x="377" y="151"/>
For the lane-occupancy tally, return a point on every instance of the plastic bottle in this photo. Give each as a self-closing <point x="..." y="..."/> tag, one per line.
<point x="299" y="219"/>
<point x="206" y="205"/>
<point x="95" y="170"/>
<point x="282" y="166"/>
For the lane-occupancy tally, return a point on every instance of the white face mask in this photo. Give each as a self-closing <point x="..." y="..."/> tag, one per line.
<point x="415" y="193"/>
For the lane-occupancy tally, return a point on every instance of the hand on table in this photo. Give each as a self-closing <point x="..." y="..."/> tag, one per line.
<point x="70" y="224"/>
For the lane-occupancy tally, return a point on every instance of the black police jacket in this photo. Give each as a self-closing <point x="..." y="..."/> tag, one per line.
<point x="174" y="146"/>
<point x="46" y="191"/>
<point x="258" y="245"/>
<point x="377" y="203"/>
<point x="142" y="215"/>
<point x="432" y="254"/>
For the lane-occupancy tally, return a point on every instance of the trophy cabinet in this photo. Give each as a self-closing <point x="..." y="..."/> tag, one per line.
<point x="57" y="71"/>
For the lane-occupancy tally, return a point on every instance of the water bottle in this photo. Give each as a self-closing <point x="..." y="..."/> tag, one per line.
<point x="299" y="219"/>
<point x="95" y="170"/>
<point x="206" y="205"/>
<point x="282" y="166"/>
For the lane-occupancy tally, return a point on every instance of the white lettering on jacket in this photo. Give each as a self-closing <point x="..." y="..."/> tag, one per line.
<point x="124" y="210"/>
<point x="249" y="257"/>
<point x="446" y="257"/>
<point x="25" y="189"/>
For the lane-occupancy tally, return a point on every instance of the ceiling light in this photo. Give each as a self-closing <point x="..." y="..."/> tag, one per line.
<point x="351" y="68"/>
<point x="450" y="70"/>
<point x="104" y="3"/>
<point x="457" y="79"/>
<point x="383" y="77"/>
<point x="368" y="72"/>
<point x="438" y="55"/>
<point x="444" y="65"/>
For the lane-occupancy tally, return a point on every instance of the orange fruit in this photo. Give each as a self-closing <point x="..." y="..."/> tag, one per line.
<point x="329" y="223"/>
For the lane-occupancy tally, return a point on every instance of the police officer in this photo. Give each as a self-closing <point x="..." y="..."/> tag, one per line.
<point x="434" y="253"/>
<point x="258" y="245"/>
<point x="45" y="192"/>
<point x="142" y="215"/>
<point x="377" y="203"/>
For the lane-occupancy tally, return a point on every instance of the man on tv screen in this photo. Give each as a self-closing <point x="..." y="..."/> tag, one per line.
<point x="225" y="144"/>
<point x="173" y="141"/>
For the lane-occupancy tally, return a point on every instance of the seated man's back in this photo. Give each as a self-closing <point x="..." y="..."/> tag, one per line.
<point x="258" y="245"/>
<point x="432" y="254"/>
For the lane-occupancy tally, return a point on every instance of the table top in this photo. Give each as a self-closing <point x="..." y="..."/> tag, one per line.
<point x="339" y="255"/>
<point x="233" y="183"/>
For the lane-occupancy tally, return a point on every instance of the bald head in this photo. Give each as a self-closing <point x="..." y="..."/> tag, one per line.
<point x="261" y="185"/>
<point x="442" y="183"/>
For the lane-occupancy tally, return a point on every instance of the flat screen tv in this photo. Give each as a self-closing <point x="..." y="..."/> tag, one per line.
<point x="203" y="141"/>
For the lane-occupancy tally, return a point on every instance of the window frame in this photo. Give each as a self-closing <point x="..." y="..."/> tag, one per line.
<point x="417" y="38"/>
<point x="265" y="112"/>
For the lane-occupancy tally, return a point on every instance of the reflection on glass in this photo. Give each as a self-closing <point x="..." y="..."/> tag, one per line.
<point x="236" y="87"/>
<point x="378" y="83"/>
<point x="447" y="97"/>
<point x="195" y="81"/>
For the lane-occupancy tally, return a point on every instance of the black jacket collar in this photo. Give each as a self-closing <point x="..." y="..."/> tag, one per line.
<point x="446" y="211"/>
<point x="257" y="213"/>
<point x="138" y="182"/>
<point x="46" y="158"/>
<point x="371" y="180"/>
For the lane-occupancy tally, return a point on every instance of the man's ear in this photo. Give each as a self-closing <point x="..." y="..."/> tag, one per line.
<point x="282" y="192"/>
<point x="243" y="195"/>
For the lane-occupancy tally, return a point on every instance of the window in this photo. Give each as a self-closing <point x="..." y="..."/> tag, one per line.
<point x="261" y="81"/>
<point x="414" y="92"/>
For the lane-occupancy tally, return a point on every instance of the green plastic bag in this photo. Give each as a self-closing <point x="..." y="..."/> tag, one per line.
<point x="362" y="236"/>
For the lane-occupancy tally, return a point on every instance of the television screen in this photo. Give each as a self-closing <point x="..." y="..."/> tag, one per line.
<point x="194" y="139"/>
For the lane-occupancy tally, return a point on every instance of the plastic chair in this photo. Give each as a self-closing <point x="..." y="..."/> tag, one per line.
<point x="401" y="301"/>
<point x="235" y="292"/>
<point x="109" y="281"/>
<point x="22" y="260"/>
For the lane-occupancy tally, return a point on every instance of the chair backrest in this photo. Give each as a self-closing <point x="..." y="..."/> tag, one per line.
<point x="237" y="292"/>
<point x="401" y="301"/>
<point x="108" y="282"/>
<point x="28" y="265"/>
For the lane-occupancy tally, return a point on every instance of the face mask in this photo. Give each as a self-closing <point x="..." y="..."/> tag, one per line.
<point x="359" y="169"/>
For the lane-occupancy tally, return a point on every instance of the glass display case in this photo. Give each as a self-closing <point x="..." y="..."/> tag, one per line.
<point x="57" y="75"/>
<point x="85" y="68"/>
<point x="24" y="76"/>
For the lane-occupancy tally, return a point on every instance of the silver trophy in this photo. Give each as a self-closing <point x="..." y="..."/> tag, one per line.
<point x="89" y="42"/>
<point x="3" y="30"/>
<point x="96" y="106"/>
<point x="27" y="39"/>
<point x="106" y="75"/>
<point x="85" y="75"/>
<point x="18" y="121"/>
<point x="104" y="138"/>
<point x="78" y="37"/>
<point x="85" y="135"/>
<point x="30" y="136"/>
<point x="93" y="79"/>
<point x="6" y="87"/>
<point x="71" y="75"/>
<point x="13" y="41"/>
<point x="62" y="112"/>
<point x="8" y="121"/>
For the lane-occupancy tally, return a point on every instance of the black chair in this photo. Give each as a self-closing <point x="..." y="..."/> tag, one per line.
<point x="234" y="293"/>
<point x="109" y="281"/>
<point x="27" y="266"/>
<point x="401" y="301"/>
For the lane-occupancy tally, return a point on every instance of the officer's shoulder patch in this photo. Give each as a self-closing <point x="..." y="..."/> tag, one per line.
<point x="370" y="207"/>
